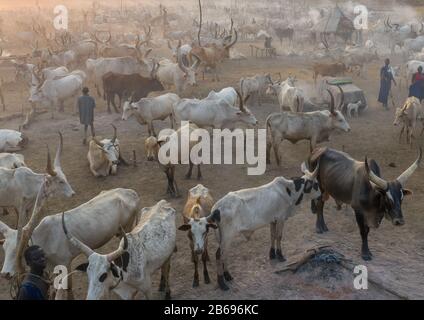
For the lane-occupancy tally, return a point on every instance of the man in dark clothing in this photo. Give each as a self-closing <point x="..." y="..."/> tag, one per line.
<point x="34" y="286"/>
<point x="86" y="105"/>
<point x="416" y="88"/>
<point x="386" y="78"/>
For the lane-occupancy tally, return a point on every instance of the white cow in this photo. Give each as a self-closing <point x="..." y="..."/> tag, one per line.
<point x="11" y="160"/>
<point x="228" y="94"/>
<point x="288" y="95"/>
<point x="12" y="140"/>
<point x="95" y="222"/>
<point x="255" y="86"/>
<point x="148" y="109"/>
<point x="244" y="211"/>
<point x="176" y="74"/>
<point x="218" y="114"/>
<point x="19" y="187"/>
<point x="55" y="91"/>
<point x="315" y="126"/>
<point x="129" y="269"/>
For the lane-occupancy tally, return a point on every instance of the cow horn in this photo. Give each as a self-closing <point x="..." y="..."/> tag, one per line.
<point x="75" y="242"/>
<point x="233" y="42"/>
<point x="118" y="252"/>
<point x="114" y="134"/>
<point x="342" y="98"/>
<point x="97" y="142"/>
<point x="332" y="102"/>
<point x="379" y="182"/>
<point x="49" y="168"/>
<point x="241" y="105"/>
<point x="180" y="61"/>
<point x="403" y="178"/>
<point x="58" y="157"/>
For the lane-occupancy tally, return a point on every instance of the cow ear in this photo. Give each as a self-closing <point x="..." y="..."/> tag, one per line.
<point x="123" y="260"/>
<point x="184" y="227"/>
<point x="212" y="225"/>
<point x="407" y="192"/>
<point x="114" y="270"/>
<point x="82" y="267"/>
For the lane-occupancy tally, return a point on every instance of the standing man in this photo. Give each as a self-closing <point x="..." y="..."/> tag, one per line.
<point x="86" y="105"/>
<point x="386" y="78"/>
<point x="417" y="86"/>
<point x="34" y="286"/>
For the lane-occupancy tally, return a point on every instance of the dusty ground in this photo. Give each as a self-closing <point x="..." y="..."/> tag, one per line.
<point x="398" y="252"/>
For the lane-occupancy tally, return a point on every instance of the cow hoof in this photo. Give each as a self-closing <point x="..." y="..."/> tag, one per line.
<point x="272" y="255"/>
<point x="168" y="295"/>
<point x="187" y="177"/>
<point x="367" y="256"/>
<point x="195" y="283"/>
<point x="227" y="276"/>
<point x="280" y="256"/>
<point x="221" y="284"/>
<point x="207" y="279"/>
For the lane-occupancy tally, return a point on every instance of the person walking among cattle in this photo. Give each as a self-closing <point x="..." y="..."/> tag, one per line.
<point x="34" y="286"/>
<point x="86" y="105"/>
<point x="417" y="84"/>
<point x="386" y="78"/>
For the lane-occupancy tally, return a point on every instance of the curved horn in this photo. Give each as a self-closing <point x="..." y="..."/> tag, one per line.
<point x="147" y="53"/>
<point x="118" y="252"/>
<point x="408" y="172"/>
<point x="180" y="61"/>
<point x="314" y="174"/>
<point x="342" y="99"/>
<point x="97" y="142"/>
<point x="381" y="183"/>
<point x="75" y="242"/>
<point x="332" y="101"/>
<point x="49" y="168"/>
<point x="59" y="153"/>
<point x="234" y="42"/>
<point x="241" y="105"/>
<point x="114" y="134"/>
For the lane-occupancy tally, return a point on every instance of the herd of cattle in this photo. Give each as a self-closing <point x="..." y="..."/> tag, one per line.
<point x="148" y="235"/>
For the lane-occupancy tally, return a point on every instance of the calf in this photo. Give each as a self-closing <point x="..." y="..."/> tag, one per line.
<point x="11" y="160"/>
<point x="314" y="126"/>
<point x="411" y="112"/>
<point x="247" y="210"/>
<point x="148" y="109"/>
<point x="199" y="204"/>
<point x="129" y="269"/>
<point x="353" y="107"/>
<point x="12" y="140"/>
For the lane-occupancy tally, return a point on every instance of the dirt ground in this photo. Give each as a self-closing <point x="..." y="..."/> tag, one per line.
<point x="398" y="251"/>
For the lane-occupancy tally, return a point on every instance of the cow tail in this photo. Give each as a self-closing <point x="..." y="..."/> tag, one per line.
<point x="241" y="87"/>
<point x="298" y="103"/>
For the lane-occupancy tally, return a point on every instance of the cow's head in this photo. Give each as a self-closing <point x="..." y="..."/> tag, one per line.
<point x="151" y="148"/>
<point x="111" y="150"/>
<point x="244" y="114"/>
<point x="9" y="242"/>
<point x="198" y="226"/>
<point x="390" y="194"/>
<point x="102" y="269"/>
<point x="128" y="109"/>
<point x="189" y="72"/>
<point x="400" y="115"/>
<point x="337" y="119"/>
<point x="309" y="183"/>
<point x="56" y="183"/>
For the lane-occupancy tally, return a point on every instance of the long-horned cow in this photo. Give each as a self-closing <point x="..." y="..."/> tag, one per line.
<point x="129" y="269"/>
<point x="315" y="126"/>
<point x="95" y="222"/>
<point x="360" y="185"/>
<point x="289" y="96"/>
<point x="244" y="211"/>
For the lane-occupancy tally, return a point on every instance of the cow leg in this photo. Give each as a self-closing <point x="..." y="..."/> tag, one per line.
<point x="321" y="227"/>
<point x="165" y="269"/>
<point x="199" y="172"/>
<point x="400" y="134"/>
<point x="114" y="105"/>
<point x="279" y="236"/>
<point x="188" y="175"/>
<point x="205" y="258"/>
<point x="171" y="119"/>
<point x="220" y="270"/>
<point x="275" y="146"/>
<point x="272" y="227"/>
<point x="174" y="183"/>
<point x="363" y="229"/>
<point x="195" y="260"/>
<point x="151" y="129"/>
